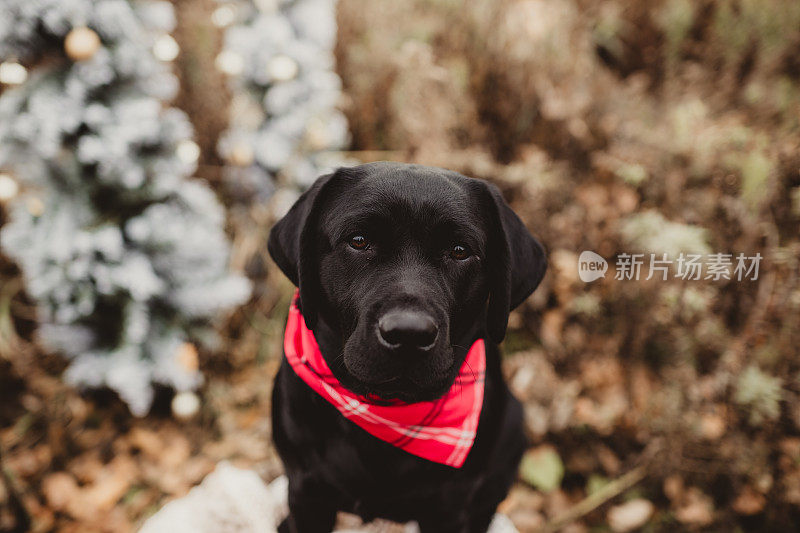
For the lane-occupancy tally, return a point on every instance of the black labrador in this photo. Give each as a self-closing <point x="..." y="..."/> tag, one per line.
<point x="431" y="260"/>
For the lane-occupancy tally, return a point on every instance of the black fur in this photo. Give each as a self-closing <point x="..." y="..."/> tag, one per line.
<point x="411" y="217"/>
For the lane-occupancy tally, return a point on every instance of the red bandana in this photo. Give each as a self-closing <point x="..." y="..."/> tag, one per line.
<point x="441" y="431"/>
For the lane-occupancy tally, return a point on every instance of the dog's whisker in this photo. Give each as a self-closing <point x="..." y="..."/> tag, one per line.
<point x="474" y="374"/>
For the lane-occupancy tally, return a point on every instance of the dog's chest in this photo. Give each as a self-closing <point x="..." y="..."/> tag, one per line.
<point x="316" y="435"/>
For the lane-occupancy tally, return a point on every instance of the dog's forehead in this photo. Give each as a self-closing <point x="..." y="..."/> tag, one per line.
<point x="414" y="189"/>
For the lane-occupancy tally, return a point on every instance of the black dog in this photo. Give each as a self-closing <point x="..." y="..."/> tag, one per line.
<point x="400" y="268"/>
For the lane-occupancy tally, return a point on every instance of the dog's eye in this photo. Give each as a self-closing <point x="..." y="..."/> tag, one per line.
<point x="359" y="242"/>
<point x="460" y="252"/>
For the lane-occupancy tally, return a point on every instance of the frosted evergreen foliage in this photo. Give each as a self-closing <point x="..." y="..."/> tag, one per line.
<point x="124" y="255"/>
<point x="279" y="55"/>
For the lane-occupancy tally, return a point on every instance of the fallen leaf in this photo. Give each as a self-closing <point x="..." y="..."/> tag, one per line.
<point x="112" y="483"/>
<point x="630" y="515"/>
<point x="749" y="502"/>
<point x="552" y="324"/>
<point x="712" y="426"/>
<point x="609" y="461"/>
<point x="697" y="510"/>
<point x="146" y="440"/>
<point x="60" y="489"/>
<point x="187" y="357"/>
<point x="542" y="468"/>
<point x="521" y="497"/>
<point x="673" y="488"/>
<point x="86" y="467"/>
<point x="28" y="462"/>
<point x="527" y="519"/>
<point x="557" y="503"/>
<point x="626" y="199"/>
<point x="595" y="483"/>
<point x="175" y="452"/>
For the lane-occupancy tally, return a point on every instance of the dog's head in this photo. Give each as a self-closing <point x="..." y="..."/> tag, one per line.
<point x="406" y="265"/>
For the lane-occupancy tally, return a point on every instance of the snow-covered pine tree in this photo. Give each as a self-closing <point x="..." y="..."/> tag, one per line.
<point x="124" y="255"/>
<point x="285" y="127"/>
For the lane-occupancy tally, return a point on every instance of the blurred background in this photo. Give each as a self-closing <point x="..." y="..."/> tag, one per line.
<point x="147" y="147"/>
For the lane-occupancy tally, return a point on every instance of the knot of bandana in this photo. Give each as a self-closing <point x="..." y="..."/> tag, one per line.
<point x="442" y="430"/>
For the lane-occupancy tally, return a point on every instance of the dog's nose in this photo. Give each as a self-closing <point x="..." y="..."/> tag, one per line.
<point x="411" y="329"/>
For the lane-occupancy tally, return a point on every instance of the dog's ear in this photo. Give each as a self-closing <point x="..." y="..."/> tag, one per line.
<point x="284" y="238"/>
<point x="293" y="246"/>
<point x="516" y="263"/>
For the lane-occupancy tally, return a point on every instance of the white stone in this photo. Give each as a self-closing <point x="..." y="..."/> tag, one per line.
<point x="229" y="500"/>
<point x="233" y="500"/>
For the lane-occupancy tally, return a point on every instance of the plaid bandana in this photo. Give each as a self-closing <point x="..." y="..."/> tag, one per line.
<point x="441" y="431"/>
